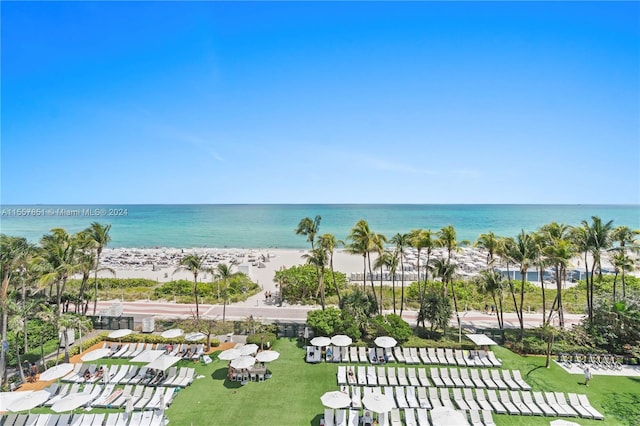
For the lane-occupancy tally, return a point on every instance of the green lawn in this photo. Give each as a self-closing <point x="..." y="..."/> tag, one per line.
<point x="292" y="395"/>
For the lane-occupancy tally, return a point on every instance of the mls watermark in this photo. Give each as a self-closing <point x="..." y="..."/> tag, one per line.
<point x="64" y="212"/>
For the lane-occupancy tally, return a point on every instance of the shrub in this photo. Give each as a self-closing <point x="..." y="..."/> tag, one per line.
<point x="266" y="339"/>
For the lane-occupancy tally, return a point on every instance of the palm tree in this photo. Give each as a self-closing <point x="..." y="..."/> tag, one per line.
<point x="318" y="257"/>
<point x="48" y="315"/>
<point x="622" y="263"/>
<point x="385" y="259"/>
<point x="627" y="239"/>
<point x="329" y="243"/>
<point x="309" y="228"/>
<point x="490" y="243"/>
<point x="401" y="241"/>
<point x="447" y="239"/>
<point x="523" y="252"/>
<point x="492" y="282"/>
<point x="194" y="264"/>
<point x="558" y="250"/>
<point x="99" y="234"/>
<point x="580" y="238"/>
<point x="598" y="240"/>
<point x="60" y="252"/>
<point x="377" y="245"/>
<point x="445" y="270"/>
<point x="223" y="272"/>
<point x="421" y="239"/>
<point x="360" y="237"/>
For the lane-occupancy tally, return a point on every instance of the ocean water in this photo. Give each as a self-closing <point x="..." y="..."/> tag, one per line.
<point x="267" y="225"/>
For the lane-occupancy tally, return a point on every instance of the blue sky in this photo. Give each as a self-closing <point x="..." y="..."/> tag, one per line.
<point x="199" y="102"/>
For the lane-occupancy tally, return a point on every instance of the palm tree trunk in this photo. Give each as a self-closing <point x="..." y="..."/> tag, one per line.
<point x="380" y="289"/>
<point x="402" y="289"/>
<point x="586" y="279"/>
<point x="364" y="273"/>
<point x="95" y="276"/>
<point x="3" y="303"/>
<point x="321" y="281"/>
<point x="455" y="304"/>
<point x="559" y="297"/>
<point x="521" y="316"/>
<point x="373" y="286"/>
<point x="544" y="298"/>
<point x="335" y="283"/>
<point x="419" y="286"/>
<point x="393" y="291"/>
<point x="224" y="306"/>
<point x="615" y="279"/>
<point x="501" y="313"/>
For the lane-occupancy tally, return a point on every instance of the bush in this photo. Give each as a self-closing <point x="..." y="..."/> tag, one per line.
<point x="392" y="325"/>
<point x="266" y="339"/>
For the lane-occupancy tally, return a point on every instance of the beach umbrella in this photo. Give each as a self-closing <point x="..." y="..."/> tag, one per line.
<point x="163" y="362"/>
<point x="71" y="402"/>
<point x="377" y="403"/>
<point x="320" y="341"/>
<point x="29" y="401"/>
<point x="119" y="334"/>
<point x="335" y="399"/>
<point x="56" y="372"/>
<point x="267" y="356"/>
<point x="194" y="337"/>
<point x="385" y="342"/>
<point x="250" y="349"/>
<point x="96" y="354"/>
<point x="8" y="398"/>
<point x="243" y="362"/>
<point x="341" y="340"/>
<point x="148" y="356"/>
<point x="229" y="354"/>
<point x="444" y="416"/>
<point x="172" y="334"/>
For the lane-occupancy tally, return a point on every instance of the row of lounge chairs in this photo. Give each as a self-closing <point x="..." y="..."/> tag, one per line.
<point x="439" y="377"/>
<point x="146" y="418"/>
<point x="132" y="374"/>
<point x="464" y="358"/>
<point x="501" y="402"/>
<point x="412" y="417"/>
<point x="130" y="350"/>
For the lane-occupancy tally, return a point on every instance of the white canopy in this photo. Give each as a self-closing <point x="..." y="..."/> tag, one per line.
<point x="148" y="356"/>
<point x="29" y="400"/>
<point x="120" y="333"/>
<point x="163" y="362"/>
<point x="481" y="339"/>
<point x="96" y="354"/>
<point x="172" y="333"/>
<point x="58" y="371"/>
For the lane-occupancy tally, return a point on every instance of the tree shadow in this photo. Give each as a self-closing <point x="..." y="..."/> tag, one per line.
<point x="221" y="374"/>
<point x="626" y="406"/>
<point x="316" y="420"/>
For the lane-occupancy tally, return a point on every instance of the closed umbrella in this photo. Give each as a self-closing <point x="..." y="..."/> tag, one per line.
<point x="341" y="340"/>
<point x="172" y="334"/>
<point x="119" y="334"/>
<point x="96" y="354"/>
<point x="148" y="356"/>
<point x="194" y="337"/>
<point x="335" y="399"/>
<point x="250" y="349"/>
<point x="267" y="356"/>
<point x="230" y="354"/>
<point x="29" y="401"/>
<point x="71" y="402"/>
<point x="320" y="341"/>
<point x="243" y="362"/>
<point x="443" y="416"/>
<point x="377" y="403"/>
<point x="385" y="342"/>
<point x="56" y="372"/>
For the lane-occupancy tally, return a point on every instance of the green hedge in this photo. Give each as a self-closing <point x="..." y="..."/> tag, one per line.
<point x="262" y="338"/>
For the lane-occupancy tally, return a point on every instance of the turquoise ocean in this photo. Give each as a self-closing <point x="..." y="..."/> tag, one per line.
<point x="271" y="225"/>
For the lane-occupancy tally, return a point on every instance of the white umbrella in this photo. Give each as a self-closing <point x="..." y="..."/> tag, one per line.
<point x="267" y="356"/>
<point x="320" y="341"/>
<point x="8" y="398"/>
<point x="118" y="334"/>
<point x="172" y="334"/>
<point x="96" y="354"/>
<point x="243" y="362"/>
<point x="341" y="340"/>
<point x="148" y="356"/>
<point x="249" y="349"/>
<point x="335" y="399"/>
<point x="563" y="423"/>
<point x="163" y="362"/>
<point x="194" y="337"/>
<point x="229" y="354"/>
<point x="377" y="403"/>
<point x="71" y="402"/>
<point x="385" y="342"/>
<point x="29" y="401"/>
<point x="56" y="372"/>
<point x="443" y="416"/>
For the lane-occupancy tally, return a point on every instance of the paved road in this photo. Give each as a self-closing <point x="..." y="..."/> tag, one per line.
<point x="271" y="313"/>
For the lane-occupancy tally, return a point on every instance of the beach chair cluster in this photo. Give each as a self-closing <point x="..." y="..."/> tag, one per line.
<point x="446" y="356"/>
<point x="131" y="374"/>
<point x="146" y="418"/>
<point x="131" y="350"/>
<point x="358" y="354"/>
<point x="445" y="377"/>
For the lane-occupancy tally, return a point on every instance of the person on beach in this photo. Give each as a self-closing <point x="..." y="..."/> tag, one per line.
<point x="587" y="375"/>
<point x="486" y="308"/>
<point x="493" y="309"/>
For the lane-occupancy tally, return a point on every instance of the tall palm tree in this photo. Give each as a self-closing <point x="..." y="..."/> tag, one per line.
<point x="492" y="282"/>
<point x="446" y="270"/>
<point x="309" y="228"/>
<point x="377" y="245"/>
<point x="99" y="234"/>
<point x="385" y="259"/>
<point x="622" y="263"/>
<point x="60" y="252"/>
<point x="558" y="251"/>
<point x="194" y="264"/>
<point x="402" y="242"/>
<point x="580" y="239"/>
<point x="627" y="239"/>
<point x="360" y="236"/>
<point x="490" y="243"/>
<point x="223" y="272"/>
<point x="421" y="239"/>
<point x="447" y="239"/>
<point x="329" y="243"/>
<point x="523" y="253"/>
<point x="505" y="248"/>
<point x="319" y="258"/>
<point x="599" y="240"/>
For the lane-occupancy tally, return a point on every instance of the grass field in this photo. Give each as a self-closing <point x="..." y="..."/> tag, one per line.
<point x="292" y="395"/>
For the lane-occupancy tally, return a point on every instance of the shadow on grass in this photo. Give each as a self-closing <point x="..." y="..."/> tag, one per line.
<point x="221" y="374"/>
<point x="316" y="420"/>
<point x="625" y="405"/>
